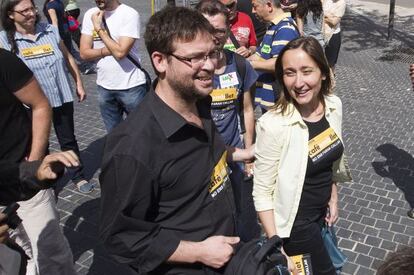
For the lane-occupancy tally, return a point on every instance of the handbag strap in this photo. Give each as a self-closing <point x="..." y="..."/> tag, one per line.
<point x="136" y="63"/>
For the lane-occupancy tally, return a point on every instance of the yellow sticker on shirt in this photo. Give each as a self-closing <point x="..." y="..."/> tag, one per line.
<point x="222" y="97"/>
<point x="322" y="143"/>
<point x="37" y="51"/>
<point x="96" y="36"/>
<point x="219" y="177"/>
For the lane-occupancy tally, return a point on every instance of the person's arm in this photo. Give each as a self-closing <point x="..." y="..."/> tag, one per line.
<point x="249" y="126"/>
<point x="332" y="18"/>
<point x="238" y="154"/>
<point x="299" y="24"/>
<point x="3" y="229"/>
<point x="53" y="17"/>
<point x="32" y="95"/>
<point x="214" y="251"/>
<point x="118" y="49"/>
<point x="129" y="193"/>
<point x="74" y="71"/>
<point x="332" y="215"/>
<point x="258" y="63"/>
<point x="87" y="52"/>
<point x="21" y="181"/>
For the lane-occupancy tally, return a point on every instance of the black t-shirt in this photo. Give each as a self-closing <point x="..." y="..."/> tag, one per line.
<point x="325" y="148"/>
<point x="15" y="125"/>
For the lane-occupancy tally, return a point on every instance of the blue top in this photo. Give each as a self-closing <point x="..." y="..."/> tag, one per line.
<point x="229" y="87"/>
<point x="59" y="8"/>
<point x="43" y="56"/>
<point x="277" y="36"/>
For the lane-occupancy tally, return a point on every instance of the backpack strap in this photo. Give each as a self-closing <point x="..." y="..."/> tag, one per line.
<point x="270" y="244"/>
<point x="241" y="69"/>
<point x="234" y="40"/>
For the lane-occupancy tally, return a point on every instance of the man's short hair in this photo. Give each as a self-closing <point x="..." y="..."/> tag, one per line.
<point x="276" y="3"/>
<point x="213" y="8"/>
<point x="173" y="24"/>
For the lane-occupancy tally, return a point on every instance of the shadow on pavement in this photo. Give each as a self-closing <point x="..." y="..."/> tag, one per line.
<point x="370" y="31"/>
<point x="91" y="159"/>
<point x="399" y="167"/>
<point x="81" y="230"/>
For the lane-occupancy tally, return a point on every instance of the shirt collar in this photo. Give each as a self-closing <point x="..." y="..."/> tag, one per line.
<point x="295" y="117"/>
<point x="169" y="120"/>
<point x="39" y="29"/>
<point x="280" y="17"/>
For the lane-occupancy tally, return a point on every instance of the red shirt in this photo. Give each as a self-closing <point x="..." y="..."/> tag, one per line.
<point x="243" y="30"/>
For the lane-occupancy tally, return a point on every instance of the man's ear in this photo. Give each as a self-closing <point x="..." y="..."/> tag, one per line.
<point x="160" y="62"/>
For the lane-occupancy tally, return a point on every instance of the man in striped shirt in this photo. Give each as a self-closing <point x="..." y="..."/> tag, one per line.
<point x="281" y="30"/>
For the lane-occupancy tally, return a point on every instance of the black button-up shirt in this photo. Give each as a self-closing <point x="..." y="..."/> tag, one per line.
<point x="163" y="180"/>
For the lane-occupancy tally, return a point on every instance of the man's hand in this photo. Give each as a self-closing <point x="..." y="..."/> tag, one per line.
<point x="243" y="51"/>
<point x="216" y="251"/>
<point x="54" y="164"/>
<point x="412" y="74"/>
<point x="3" y="229"/>
<point x="97" y="19"/>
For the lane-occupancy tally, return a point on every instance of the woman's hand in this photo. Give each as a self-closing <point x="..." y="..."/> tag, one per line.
<point x="332" y="213"/>
<point x="291" y="266"/>
<point x="80" y="92"/>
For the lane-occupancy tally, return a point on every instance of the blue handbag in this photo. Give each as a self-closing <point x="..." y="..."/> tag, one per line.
<point x="338" y="258"/>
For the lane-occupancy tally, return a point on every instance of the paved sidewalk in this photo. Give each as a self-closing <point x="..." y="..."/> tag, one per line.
<point x="372" y="80"/>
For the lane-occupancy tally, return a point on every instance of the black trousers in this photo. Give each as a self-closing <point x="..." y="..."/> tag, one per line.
<point x="332" y="49"/>
<point x="307" y="238"/>
<point x="65" y="133"/>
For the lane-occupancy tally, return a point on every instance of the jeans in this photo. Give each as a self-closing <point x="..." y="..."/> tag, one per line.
<point x="65" y="133"/>
<point x="115" y="103"/>
<point x="246" y="217"/>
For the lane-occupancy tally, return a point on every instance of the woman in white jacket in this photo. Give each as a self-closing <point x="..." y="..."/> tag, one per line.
<point x="299" y="154"/>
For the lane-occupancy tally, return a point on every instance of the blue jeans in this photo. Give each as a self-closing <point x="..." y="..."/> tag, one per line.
<point x="115" y="103"/>
<point x="246" y="217"/>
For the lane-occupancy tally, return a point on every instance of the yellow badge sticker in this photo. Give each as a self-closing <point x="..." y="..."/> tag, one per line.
<point x="37" y="51"/>
<point x="322" y="143"/>
<point x="96" y="36"/>
<point x="223" y="96"/>
<point x="219" y="177"/>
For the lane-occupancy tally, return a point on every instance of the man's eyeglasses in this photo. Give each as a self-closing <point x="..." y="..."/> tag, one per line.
<point x="27" y="11"/>
<point x="198" y="61"/>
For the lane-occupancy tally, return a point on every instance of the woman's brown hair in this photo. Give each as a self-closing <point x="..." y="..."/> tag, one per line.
<point x="312" y="47"/>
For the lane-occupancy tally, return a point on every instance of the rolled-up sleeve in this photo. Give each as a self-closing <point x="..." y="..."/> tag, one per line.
<point x="267" y="151"/>
<point x="128" y="209"/>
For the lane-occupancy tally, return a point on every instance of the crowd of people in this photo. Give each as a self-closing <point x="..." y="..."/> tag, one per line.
<point x="189" y="170"/>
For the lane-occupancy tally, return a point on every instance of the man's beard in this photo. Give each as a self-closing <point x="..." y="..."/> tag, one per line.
<point x="186" y="89"/>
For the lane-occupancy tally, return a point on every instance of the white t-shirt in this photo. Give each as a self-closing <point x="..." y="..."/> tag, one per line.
<point x="115" y="74"/>
<point x="335" y="8"/>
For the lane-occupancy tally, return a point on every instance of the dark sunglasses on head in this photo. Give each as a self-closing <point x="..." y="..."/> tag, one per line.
<point x="231" y="5"/>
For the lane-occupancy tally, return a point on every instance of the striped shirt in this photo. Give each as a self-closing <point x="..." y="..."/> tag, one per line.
<point x="280" y="32"/>
<point x="44" y="57"/>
